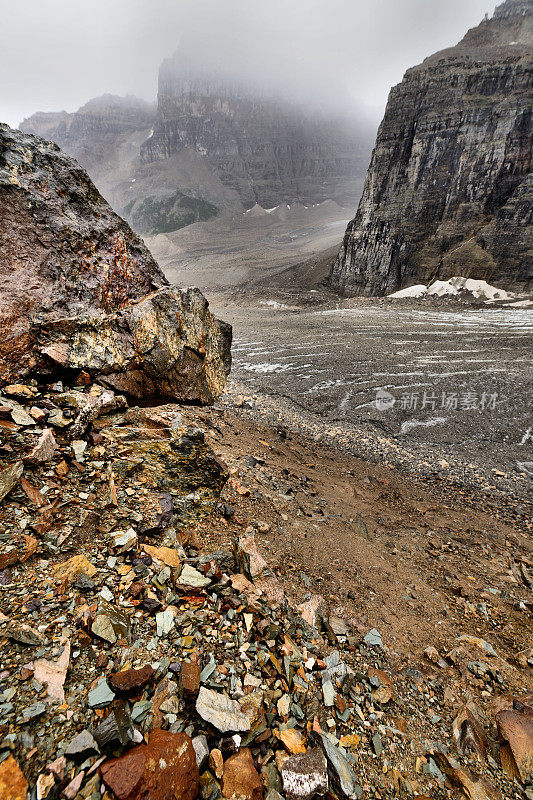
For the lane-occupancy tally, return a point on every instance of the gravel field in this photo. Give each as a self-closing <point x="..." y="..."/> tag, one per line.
<point x="444" y="387"/>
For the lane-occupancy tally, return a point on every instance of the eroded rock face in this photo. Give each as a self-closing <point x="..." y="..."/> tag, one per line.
<point x="449" y="190"/>
<point x="264" y="150"/>
<point x="79" y="290"/>
<point x="168" y="344"/>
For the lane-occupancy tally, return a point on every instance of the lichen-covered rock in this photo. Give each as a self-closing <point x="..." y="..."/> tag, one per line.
<point x="100" y="301"/>
<point x="449" y="190"/>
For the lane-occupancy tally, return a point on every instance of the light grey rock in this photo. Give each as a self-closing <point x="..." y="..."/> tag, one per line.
<point x="222" y="712"/>
<point x="373" y="638"/>
<point x="192" y="577"/>
<point x="81" y="745"/>
<point x="342" y="776"/>
<point x="201" y="748"/>
<point x="101" y="696"/>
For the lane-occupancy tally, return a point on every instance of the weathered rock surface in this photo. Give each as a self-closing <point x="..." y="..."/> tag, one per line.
<point x="241" y="778"/>
<point x="449" y="190"/>
<point x="163" y="769"/>
<point x="100" y="301"/>
<point x="167" y="344"/>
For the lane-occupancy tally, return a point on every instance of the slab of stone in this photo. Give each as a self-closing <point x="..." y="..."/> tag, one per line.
<point x="220" y="711"/>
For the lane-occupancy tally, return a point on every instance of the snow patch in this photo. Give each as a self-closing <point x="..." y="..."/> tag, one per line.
<point x="454" y="287"/>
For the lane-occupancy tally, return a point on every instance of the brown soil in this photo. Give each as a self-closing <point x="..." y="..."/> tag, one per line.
<point x="413" y="559"/>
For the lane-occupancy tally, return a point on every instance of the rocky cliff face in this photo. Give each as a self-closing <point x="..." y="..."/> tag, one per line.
<point x="449" y="190"/>
<point x="264" y="151"/>
<point x="80" y="292"/>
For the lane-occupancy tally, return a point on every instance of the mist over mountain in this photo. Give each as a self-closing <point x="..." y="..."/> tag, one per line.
<point x="215" y="142"/>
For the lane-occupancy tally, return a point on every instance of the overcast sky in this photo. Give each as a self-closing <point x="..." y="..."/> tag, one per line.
<point x="57" y="54"/>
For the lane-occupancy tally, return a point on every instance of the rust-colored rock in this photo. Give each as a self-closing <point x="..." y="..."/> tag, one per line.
<point x="241" y="778"/>
<point x="190" y="678"/>
<point x="13" y="784"/>
<point x="163" y="769"/>
<point x="130" y="681"/>
<point x="516" y="742"/>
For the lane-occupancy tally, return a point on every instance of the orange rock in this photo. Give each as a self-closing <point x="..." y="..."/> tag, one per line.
<point x="216" y="763"/>
<point x="241" y="778"/>
<point x="292" y="740"/>
<point x="13" y="784"/>
<point x="163" y="769"/>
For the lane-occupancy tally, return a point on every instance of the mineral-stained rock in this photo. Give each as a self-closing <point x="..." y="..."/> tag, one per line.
<point x="9" y="477"/>
<point x="98" y="301"/>
<point x="45" y="448"/>
<point x="169" y="459"/>
<point x="13" y="784"/>
<point x="516" y="737"/>
<point x="222" y="712"/>
<point x="449" y="190"/>
<point x="241" y="778"/>
<point x="167" y="344"/>
<point x="305" y="776"/>
<point x="131" y="681"/>
<point x="163" y="769"/>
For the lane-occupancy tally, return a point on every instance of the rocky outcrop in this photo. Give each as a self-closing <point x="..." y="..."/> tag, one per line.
<point x="449" y="190"/>
<point x="211" y="146"/>
<point x="264" y="150"/>
<point x="79" y="291"/>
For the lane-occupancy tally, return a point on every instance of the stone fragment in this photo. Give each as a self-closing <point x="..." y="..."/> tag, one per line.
<point x="201" y="748"/>
<point x="166" y="555"/>
<point x="373" y="638"/>
<point x="305" y="776"/>
<point x="163" y="769"/>
<point x="241" y="778"/>
<point x="71" y="789"/>
<point x="515" y="730"/>
<point x="131" y="681"/>
<point x="384" y="692"/>
<point x="292" y="740"/>
<point x="13" y="784"/>
<point x="82" y="745"/>
<point x="116" y="729"/>
<point x="341" y="774"/>
<point x="250" y="560"/>
<point x="310" y="609"/>
<point x="216" y="763"/>
<point x="101" y="696"/>
<point x="221" y="712"/>
<point x="165" y="621"/>
<point x="190" y="577"/>
<point x="23" y="634"/>
<point x="52" y="674"/>
<point x="124" y="541"/>
<point x="190" y="678"/>
<point x="9" y="477"/>
<point x="111" y="623"/>
<point x="67" y="571"/>
<point x="44" y="785"/>
<point x="36" y="709"/>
